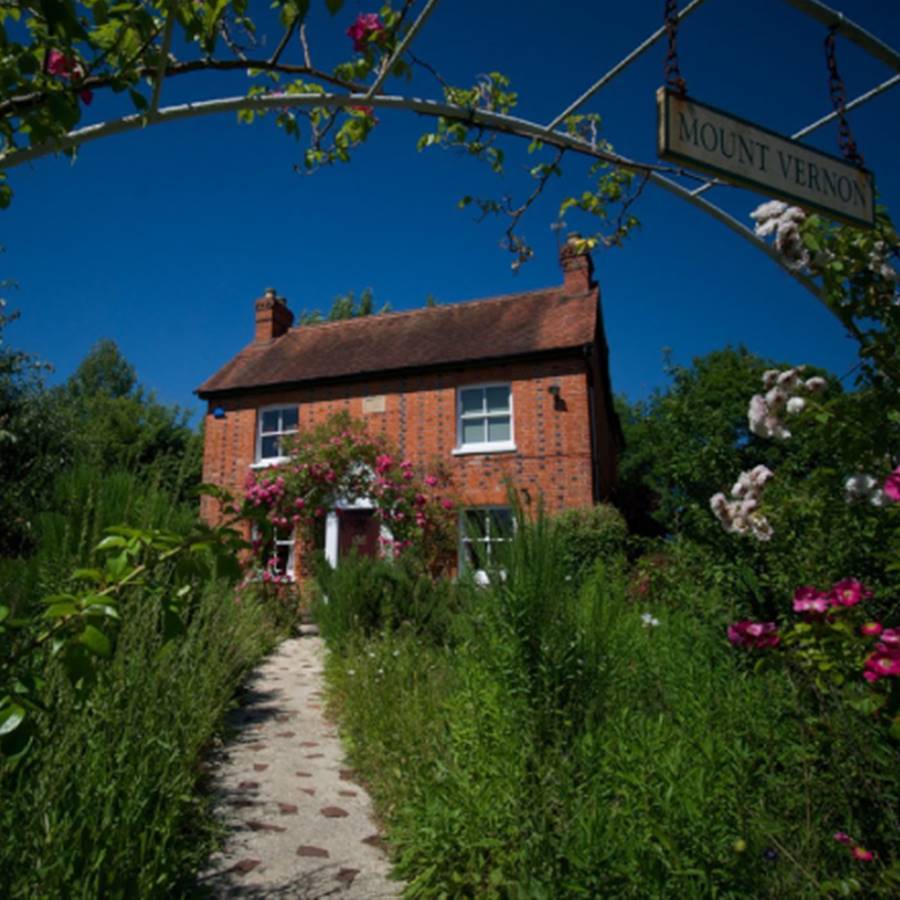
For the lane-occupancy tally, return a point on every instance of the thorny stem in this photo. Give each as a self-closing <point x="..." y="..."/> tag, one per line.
<point x="25" y="102"/>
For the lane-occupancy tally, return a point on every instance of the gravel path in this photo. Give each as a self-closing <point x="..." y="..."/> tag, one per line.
<point x="299" y="826"/>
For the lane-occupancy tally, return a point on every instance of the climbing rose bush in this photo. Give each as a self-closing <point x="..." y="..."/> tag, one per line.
<point x="339" y="463"/>
<point x="741" y="514"/>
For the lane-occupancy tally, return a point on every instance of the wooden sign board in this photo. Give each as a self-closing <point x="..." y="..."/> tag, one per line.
<point x="750" y="156"/>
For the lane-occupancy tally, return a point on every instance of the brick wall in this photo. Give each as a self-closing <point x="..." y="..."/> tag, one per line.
<point x="553" y="446"/>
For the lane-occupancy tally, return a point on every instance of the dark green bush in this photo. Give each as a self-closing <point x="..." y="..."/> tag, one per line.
<point x="590" y="534"/>
<point x="364" y="595"/>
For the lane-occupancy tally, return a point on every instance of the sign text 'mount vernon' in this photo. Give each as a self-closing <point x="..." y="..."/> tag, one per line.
<point x="751" y="156"/>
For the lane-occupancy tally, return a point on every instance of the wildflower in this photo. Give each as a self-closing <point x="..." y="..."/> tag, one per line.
<point x="891" y="637"/>
<point x="849" y="592"/>
<point x="649" y="620"/>
<point x="756" y="635"/>
<point x="859" y="487"/>
<point x="363" y="28"/>
<point x="871" y="629"/>
<point x="862" y="854"/>
<point x="883" y="663"/>
<point x="809" y="600"/>
<point x="843" y="838"/>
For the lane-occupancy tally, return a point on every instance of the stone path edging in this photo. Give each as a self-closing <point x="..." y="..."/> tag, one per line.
<point x="299" y="826"/>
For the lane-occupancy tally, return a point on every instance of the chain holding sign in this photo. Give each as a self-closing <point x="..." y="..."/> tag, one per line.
<point x="720" y="144"/>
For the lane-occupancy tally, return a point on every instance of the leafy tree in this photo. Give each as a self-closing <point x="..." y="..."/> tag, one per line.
<point x="118" y="424"/>
<point x="35" y="442"/>
<point x="104" y="371"/>
<point x="345" y="306"/>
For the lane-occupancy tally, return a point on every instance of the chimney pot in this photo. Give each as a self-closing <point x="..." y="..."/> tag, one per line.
<point x="577" y="266"/>
<point x="273" y="318"/>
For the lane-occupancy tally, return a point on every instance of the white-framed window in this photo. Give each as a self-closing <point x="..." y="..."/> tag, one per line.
<point x="281" y="562"/>
<point x="484" y="418"/>
<point x="277" y="556"/>
<point x="273" y="423"/>
<point x="482" y="532"/>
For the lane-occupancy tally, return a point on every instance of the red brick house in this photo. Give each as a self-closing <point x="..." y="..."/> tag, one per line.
<point x="512" y="387"/>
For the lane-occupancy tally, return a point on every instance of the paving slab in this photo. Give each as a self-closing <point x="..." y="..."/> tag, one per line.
<point x="298" y="824"/>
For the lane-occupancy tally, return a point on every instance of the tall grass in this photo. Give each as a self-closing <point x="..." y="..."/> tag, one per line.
<point x="85" y="501"/>
<point x="563" y="747"/>
<point x="106" y="804"/>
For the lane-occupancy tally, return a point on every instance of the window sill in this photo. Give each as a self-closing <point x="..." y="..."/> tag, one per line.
<point x="506" y="447"/>
<point x="268" y="463"/>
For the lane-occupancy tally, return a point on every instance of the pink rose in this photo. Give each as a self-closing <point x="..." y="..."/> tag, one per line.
<point x="60" y="64"/>
<point x="365" y="25"/>
<point x="891" y="486"/>
<point x="891" y="637"/>
<point x="871" y="629"/>
<point x="883" y="663"/>
<point x="431" y="480"/>
<point x="849" y="592"/>
<point x="447" y="504"/>
<point x="809" y="600"/>
<point x="756" y="635"/>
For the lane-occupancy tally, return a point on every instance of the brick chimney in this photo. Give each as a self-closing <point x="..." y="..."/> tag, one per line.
<point x="273" y="318"/>
<point x="577" y="266"/>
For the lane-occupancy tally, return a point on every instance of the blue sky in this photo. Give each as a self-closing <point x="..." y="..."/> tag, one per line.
<point x="162" y="239"/>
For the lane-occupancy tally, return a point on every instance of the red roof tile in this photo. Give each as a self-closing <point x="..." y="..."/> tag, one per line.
<point x="503" y="327"/>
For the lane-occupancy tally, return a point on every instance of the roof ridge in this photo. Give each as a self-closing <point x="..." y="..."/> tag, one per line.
<point x="432" y="309"/>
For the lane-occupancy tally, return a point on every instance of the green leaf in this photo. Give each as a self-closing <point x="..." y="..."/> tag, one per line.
<point x="11" y="718"/>
<point x="87" y="575"/>
<point x="4" y="613"/>
<point x="895" y="729"/>
<point x="111" y="541"/>
<point x="139" y="100"/>
<point x="60" y="610"/>
<point x="96" y="641"/>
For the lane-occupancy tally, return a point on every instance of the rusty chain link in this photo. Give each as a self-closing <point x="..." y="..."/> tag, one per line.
<point x="839" y="101"/>
<point x="673" y="75"/>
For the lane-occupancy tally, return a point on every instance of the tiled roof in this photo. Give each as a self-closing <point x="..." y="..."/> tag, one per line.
<point x="503" y="327"/>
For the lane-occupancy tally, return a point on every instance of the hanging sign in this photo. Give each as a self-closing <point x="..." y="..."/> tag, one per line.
<point x="750" y="156"/>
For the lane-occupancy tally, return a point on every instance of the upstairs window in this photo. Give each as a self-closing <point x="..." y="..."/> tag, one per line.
<point x="485" y="418"/>
<point x="273" y="424"/>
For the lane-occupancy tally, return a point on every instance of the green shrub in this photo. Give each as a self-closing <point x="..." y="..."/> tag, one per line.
<point x="590" y="534"/>
<point x="365" y="595"/>
<point x="577" y="743"/>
